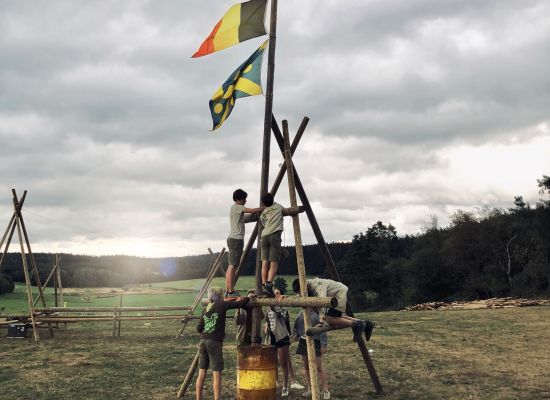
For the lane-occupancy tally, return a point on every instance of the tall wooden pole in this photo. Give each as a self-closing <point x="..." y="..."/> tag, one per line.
<point x="27" y="278"/>
<point x="12" y="225"/>
<point x="265" y="151"/>
<point x="273" y="191"/>
<point x="21" y="226"/>
<point x="311" y="356"/>
<point x="330" y="266"/>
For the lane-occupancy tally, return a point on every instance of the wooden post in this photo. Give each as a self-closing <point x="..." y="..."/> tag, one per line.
<point x="273" y="191"/>
<point x="209" y="277"/>
<point x="119" y="315"/>
<point x="330" y="266"/>
<point x="311" y="356"/>
<point x="188" y="376"/>
<point x="27" y="279"/>
<point x="266" y="147"/>
<point x="31" y="256"/>
<point x="114" y="320"/>
<point x="11" y="231"/>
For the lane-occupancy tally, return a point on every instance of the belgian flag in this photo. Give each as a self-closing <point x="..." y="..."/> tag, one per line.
<point x="244" y="81"/>
<point x="241" y="22"/>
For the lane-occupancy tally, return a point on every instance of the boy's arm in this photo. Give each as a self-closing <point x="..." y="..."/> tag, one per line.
<point x="324" y="340"/>
<point x="200" y="326"/>
<point x="293" y="210"/>
<point x="253" y="210"/>
<point x="236" y="303"/>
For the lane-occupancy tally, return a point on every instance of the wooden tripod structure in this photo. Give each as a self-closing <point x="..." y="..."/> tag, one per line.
<point x="17" y="222"/>
<point x="295" y="185"/>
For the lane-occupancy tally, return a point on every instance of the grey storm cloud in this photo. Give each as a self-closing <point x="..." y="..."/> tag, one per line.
<point x="104" y="116"/>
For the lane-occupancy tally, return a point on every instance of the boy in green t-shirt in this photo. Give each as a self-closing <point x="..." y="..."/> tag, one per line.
<point x="235" y="240"/>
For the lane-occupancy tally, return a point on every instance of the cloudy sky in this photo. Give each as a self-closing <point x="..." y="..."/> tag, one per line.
<point x="418" y="108"/>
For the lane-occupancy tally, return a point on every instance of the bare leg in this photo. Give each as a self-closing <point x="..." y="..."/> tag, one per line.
<point x="273" y="266"/>
<point x="265" y="270"/>
<point x="217" y="384"/>
<point x="291" y="373"/>
<point x="306" y="371"/>
<point x="283" y="354"/>
<point x="230" y="278"/>
<point x="321" y="373"/>
<point x="199" y="383"/>
<point x="344" y="320"/>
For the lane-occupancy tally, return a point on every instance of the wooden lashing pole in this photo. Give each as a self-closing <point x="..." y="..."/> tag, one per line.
<point x="119" y="315"/>
<point x="31" y="256"/>
<point x="266" y="147"/>
<point x="311" y="356"/>
<point x="273" y="191"/>
<point x="215" y="263"/>
<point x="52" y="274"/>
<point x="26" y="274"/>
<point x="330" y="266"/>
<point x="11" y="230"/>
<point x="189" y="376"/>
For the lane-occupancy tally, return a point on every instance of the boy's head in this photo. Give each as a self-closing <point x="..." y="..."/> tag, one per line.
<point x="296" y="286"/>
<point x="267" y="199"/>
<point x="239" y="195"/>
<point x="215" y="294"/>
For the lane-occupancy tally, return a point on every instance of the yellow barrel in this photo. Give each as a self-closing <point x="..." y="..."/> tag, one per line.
<point x="256" y="372"/>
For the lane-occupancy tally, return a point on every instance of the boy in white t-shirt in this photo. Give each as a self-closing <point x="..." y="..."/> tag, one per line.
<point x="235" y="240"/>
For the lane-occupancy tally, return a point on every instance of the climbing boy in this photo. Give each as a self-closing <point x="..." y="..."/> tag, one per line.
<point x="212" y="329"/>
<point x="271" y="219"/>
<point x="235" y="240"/>
<point x="336" y="316"/>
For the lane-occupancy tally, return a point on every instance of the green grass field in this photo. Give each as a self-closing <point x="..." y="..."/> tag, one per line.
<point x="16" y="302"/>
<point x="467" y="354"/>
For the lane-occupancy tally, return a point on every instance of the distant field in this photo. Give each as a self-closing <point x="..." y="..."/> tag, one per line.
<point x="427" y="355"/>
<point x="141" y="295"/>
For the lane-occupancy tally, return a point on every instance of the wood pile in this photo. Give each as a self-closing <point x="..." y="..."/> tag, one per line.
<point x="504" y="302"/>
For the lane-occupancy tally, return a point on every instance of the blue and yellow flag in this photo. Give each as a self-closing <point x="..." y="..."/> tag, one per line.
<point x="245" y="81"/>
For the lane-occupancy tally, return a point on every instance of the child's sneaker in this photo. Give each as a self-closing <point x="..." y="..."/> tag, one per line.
<point x="297" y="386"/>
<point x="369" y="326"/>
<point x="268" y="290"/>
<point x="357" y="327"/>
<point x="234" y="293"/>
<point x="326" y="395"/>
<point x="284" y="392"/>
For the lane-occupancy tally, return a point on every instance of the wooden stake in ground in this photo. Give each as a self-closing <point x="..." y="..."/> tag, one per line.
<point x="311" y="356"/>
<point x="27" y="279"/>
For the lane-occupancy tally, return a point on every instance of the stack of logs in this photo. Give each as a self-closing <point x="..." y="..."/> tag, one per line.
<point x="505" y="302"/>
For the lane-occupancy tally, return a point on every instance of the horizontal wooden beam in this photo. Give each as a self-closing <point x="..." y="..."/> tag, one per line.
<point x="318" y="302"/>
<point x="110" y="309"/>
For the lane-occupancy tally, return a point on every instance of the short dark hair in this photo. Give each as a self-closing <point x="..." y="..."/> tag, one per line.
<point x="296" y="285"/>
<point x="267" y="199"/>
<point x="239" y="194"/>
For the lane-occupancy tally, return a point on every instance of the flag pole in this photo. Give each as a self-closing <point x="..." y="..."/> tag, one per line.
<point x="266" y="146"/>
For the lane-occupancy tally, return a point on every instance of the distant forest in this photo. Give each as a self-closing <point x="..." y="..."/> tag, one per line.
<point x="492" y="252"/>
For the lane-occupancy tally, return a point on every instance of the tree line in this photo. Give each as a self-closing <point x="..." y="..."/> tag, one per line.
<point x="489" y="253"/>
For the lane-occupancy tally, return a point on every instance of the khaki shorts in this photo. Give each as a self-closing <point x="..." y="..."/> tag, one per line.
<point x="271" y="247"/>
<point x="210" y="351"/>
<point x="235" y="247"/>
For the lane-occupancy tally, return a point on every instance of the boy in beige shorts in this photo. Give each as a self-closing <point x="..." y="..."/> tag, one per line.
<point x="271" y="219"/>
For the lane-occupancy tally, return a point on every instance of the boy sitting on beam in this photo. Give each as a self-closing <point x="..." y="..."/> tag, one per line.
<point x="335" y="316"/>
